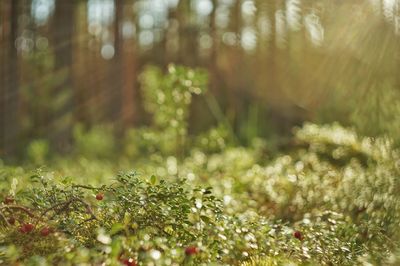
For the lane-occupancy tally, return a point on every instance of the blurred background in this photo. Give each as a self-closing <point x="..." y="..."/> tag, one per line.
<point x="272" y="65"/>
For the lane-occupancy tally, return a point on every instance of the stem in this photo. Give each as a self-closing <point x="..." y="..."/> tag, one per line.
<point x="21" y="208"/>
<point x="65" y="205"/>
<point x="85" y="187"/>
<point x="4" y="218"/>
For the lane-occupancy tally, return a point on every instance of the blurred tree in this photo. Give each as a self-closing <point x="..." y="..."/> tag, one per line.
<point x="10" y="95"/>
<point x="188" y="34"/>
<point x="235" y="68"/>
<point x="115" y="70"/>
<point x="129" y="69"/>
<point x="83" y="88"/>
<point x="62" y="29"/>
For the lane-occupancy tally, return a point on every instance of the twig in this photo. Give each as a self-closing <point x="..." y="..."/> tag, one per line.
<point x="4" y="218"/>
<point x="65" y="205"/>
<point x="87" y="220"/>
<point x="18" y="207"/>
<point x="83" y="186"/>
<point x="88" y="209"/>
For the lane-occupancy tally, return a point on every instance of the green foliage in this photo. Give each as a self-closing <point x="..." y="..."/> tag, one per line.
<point x="373" y="110"/>
<point x="148" y="140"/>
<point x="339" y="190"/>
<point x="380" y="112"/>
<point x="44" y="97"/>
<point x="139" y="218"/>
<point x="214" y="140"/>
<point x="167" y="99"/>
<point x="38" y="151"/>
<point x="268" y="261"/>
<point x="333" y="199"/>
<point x="97" y="142"/>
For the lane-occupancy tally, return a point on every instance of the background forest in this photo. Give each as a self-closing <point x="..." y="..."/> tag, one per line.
<point x="272" y="64"/>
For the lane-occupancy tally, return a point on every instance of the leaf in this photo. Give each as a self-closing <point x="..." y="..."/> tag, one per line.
<point x="67" y="180"/>
<point x="207" y="192"/>
<point x="35" y="178"/>
<point x="115" y="228"/>
<point x="205" y="219"/>
<point x="169" y="230"/>
<point x="127" y="218"/>
<point x="153" y="180"/>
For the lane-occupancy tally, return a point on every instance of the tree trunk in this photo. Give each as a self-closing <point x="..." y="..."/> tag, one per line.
<point x="115" y="74"/>
<point x="10" y="94"/>
<point x="63" y="26"/>
<point x="128" y="65"/>
<point x="185" y="52"/>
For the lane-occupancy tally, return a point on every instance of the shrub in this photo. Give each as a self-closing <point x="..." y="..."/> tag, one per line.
<point x="167" y="98"/>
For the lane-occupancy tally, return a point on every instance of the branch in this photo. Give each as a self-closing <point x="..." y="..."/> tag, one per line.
<point x="88" y="209"/>
<point x="64" y="205"/>
<point x="18" y="207"/>
<point x="85" y="187"/>
<point x="4" y="218"/>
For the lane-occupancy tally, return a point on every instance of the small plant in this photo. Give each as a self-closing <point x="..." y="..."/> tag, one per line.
<point x="167" y="98"/>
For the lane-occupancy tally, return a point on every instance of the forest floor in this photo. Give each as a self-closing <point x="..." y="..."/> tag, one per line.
<point x="333" y="199"/>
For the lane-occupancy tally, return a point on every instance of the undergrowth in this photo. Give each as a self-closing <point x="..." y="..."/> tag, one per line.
<point x="332" y="199"/>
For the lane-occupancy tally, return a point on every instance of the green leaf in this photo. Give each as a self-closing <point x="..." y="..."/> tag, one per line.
<point x="169" y="230"/>
<point x="153" y="180"/>
<point x="205" y="219"/>
<point x="115" y="228"/>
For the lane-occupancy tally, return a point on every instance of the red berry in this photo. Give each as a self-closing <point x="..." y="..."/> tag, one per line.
<point x="100" y="196"/>
<point x="29" y="227"/>
<point x="129" y="262"/>
<point x="11" y="220"/>
<point x="192" y="250"/>
<point x="298" y="235"/>
<point x="8" y="200"/>
<point x="26" y="228"/>
<point x="45" y="231"/>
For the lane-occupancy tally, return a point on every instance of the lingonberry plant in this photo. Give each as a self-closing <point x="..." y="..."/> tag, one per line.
<point x="142" y="219"/>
